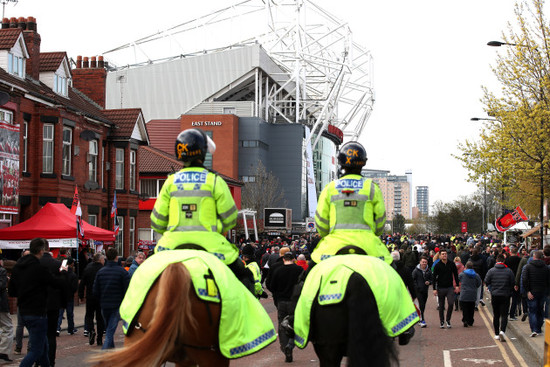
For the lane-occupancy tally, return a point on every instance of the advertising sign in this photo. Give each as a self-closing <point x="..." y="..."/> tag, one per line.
<point x="9" y="168"/>
<point x="464" y="227"/>
<point x="278" y="218"/>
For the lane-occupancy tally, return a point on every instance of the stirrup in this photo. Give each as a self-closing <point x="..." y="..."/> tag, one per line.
<point x="287" y="327"/>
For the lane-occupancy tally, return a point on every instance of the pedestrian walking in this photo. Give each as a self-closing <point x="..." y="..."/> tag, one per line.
<point x="469" y="284"/>
<point x="85" y="290"/>
<point x="444" y="272"/>
<point x="6" y="325"/>
<point x="512" y="262"/>
<point x="422" y="277"/>
<point x="29" y="283"/>
<point x="110" y="286"/>
<point x="500" y="280"/>
<point x="70" y="288"/>
<point x="536" y="280"/>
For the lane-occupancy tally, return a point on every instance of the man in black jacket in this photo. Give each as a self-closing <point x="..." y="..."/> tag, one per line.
<point x="512" y="263"/>
<point x="443" y="274"/>
<point x="536" y="279"/>
<point x="110" y="286"/>
<point x="85" y="289"/>
<point x="282" y="282"/>
<point x="500" y="281"/>
<point x="55" y="301"/>
<point x="29" y="283"/>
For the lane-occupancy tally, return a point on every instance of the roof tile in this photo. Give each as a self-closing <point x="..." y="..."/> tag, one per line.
<point x="50" y="61"/>
<point x="8" y="36"/>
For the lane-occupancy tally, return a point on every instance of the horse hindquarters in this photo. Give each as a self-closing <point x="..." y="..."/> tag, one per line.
<point x="368" y="343"/>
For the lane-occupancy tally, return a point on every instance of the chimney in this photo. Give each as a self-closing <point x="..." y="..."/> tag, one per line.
<point x="5" y="23"/>
<point x="32" y="40"/>
<point x="90" y="78"/>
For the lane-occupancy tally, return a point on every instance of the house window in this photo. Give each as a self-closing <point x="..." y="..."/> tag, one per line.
<point x="25" y="145"/>
<point x="47" y="148"/>
<point x="67" y="150"/>
<point x="119" y="241"/>
<point x="16" y="66"/>
<point x="119" y="176"/>
<point x="92" y="161"/>
<point x="6" y="116"/>
<point x="230" y="110"/>
<point x="151" y="187"/>
<point x="92" y="219"/>
<point x="60" y="85"/>
<point x="132" y="231"/>
<point x="248" y="178"/>
<point x="132" y="170"/>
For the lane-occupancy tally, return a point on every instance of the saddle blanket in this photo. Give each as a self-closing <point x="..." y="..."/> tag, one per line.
<point x="245" y="326"/>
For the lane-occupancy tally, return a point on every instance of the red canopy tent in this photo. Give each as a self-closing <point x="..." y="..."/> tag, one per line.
<point x="54" y="222"/>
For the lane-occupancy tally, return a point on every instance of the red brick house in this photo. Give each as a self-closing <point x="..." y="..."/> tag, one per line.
<point x="66" y="137"/>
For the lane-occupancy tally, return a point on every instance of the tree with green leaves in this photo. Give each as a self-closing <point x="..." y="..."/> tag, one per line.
<point x="512" y="153"/>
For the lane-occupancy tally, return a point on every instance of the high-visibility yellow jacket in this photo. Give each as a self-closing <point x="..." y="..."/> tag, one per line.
<point x="257" y="274"/>
<point x="195" y="206"/>
<point x="350" y="211"/>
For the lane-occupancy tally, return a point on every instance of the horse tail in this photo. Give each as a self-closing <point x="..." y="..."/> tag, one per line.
<point x="171" y="319"/>
<point x="365" y="328"/>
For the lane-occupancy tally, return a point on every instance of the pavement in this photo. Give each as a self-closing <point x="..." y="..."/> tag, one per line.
<point x="79" y="312"/>
<point x="522" y="332"/>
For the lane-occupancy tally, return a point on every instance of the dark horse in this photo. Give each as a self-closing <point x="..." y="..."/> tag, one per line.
<point x="351" y="328"/>
<point x="173" y="325"/>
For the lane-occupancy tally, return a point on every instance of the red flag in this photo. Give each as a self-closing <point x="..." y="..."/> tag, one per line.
<point x="76" y="202"/>
<point x="510" y="219"/>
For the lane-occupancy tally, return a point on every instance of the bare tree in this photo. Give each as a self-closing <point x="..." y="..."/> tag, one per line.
<point x="265" y="192"/>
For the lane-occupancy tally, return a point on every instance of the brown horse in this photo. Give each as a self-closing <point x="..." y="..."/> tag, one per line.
<point x="173" y="325"/>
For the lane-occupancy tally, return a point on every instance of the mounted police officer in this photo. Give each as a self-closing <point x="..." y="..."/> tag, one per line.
<point x="350" y="210"/>
<point x="195" y="206"/>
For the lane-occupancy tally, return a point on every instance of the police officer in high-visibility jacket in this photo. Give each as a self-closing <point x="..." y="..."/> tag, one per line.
<point x="195" y="206"/>
<point x="350" y="210"/>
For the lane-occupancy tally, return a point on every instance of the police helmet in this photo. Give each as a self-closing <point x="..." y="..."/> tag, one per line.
<point x="352" y="155"/>
<point x="191" y="145"/>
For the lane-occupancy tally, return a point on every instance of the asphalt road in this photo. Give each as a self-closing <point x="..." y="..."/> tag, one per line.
<point x="431" y="346"/>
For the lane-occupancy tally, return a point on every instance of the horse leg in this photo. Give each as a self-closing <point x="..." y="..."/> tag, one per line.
<point x="368" y="343"/>
<point x="329" y="332"/>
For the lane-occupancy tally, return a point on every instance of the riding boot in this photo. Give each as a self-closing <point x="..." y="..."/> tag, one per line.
<point x="243" y="274"/>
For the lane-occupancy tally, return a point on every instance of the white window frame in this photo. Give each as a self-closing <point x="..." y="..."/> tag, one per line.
<point x="119" y="241"/>
<point x="92" y="219"/>
<point x="48" y="148"/>
<point x="66" y="167"/>
<point x="133" y="155"/>
<point x="6" y="116"/>
<point x="25" y="144"/>
<point x="132" y="230"/>
<point x="92" y="160"/>
<point x="119" y="169"/>
<point x="60" y="85"/>
<point x="16" y="66"/>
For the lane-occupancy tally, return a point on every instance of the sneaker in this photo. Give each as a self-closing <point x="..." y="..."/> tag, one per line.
<point x="513" y="318"/>
<point x="502" y="336"/>
<point x="465" y="324"/>
<point x="442" y="325"/>
<point x="475" y="308"/>
<point x="73" y="332"/>
<point x="524" y="317"/>
<point x="17" y="351"/>
<point x="5" y="357"/>
<point x="533" y="334"/>
<point x="57" y="333"/>
<point x="422" y="323"/>
<point x="86" y="333"/>
<point x="448" y="324"/>
<point x="482" y="302"/>
<point x="497" y="337"/>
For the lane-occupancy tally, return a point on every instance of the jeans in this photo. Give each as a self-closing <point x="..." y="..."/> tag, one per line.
<point x="111" y="318"/>
<point x="19" y="332"/>
<point x="92" y="308"/>
<point x="536" y="312"/>
<point x="38" y="341"/>
<point x="468" y="308"/>
<point x="70" y="317"/>
<point x="448" y="293"/>
<point x="515" y="307"/>
<point x="285" y="308"/>
<point x="501" y="305"/>
<point x="422" y="298"/>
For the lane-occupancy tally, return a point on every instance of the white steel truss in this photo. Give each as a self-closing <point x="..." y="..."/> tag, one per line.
<point x="327" y="76"/>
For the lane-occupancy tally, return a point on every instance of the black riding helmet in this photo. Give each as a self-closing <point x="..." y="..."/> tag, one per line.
<point x="352" y="155"/>
<point x="191" y="146"/>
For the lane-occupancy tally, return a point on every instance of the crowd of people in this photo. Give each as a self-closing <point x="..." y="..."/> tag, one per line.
<point x="45" y="289"/>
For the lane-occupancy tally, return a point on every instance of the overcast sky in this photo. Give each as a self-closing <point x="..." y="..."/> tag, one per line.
<point x="430" y="61"/>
